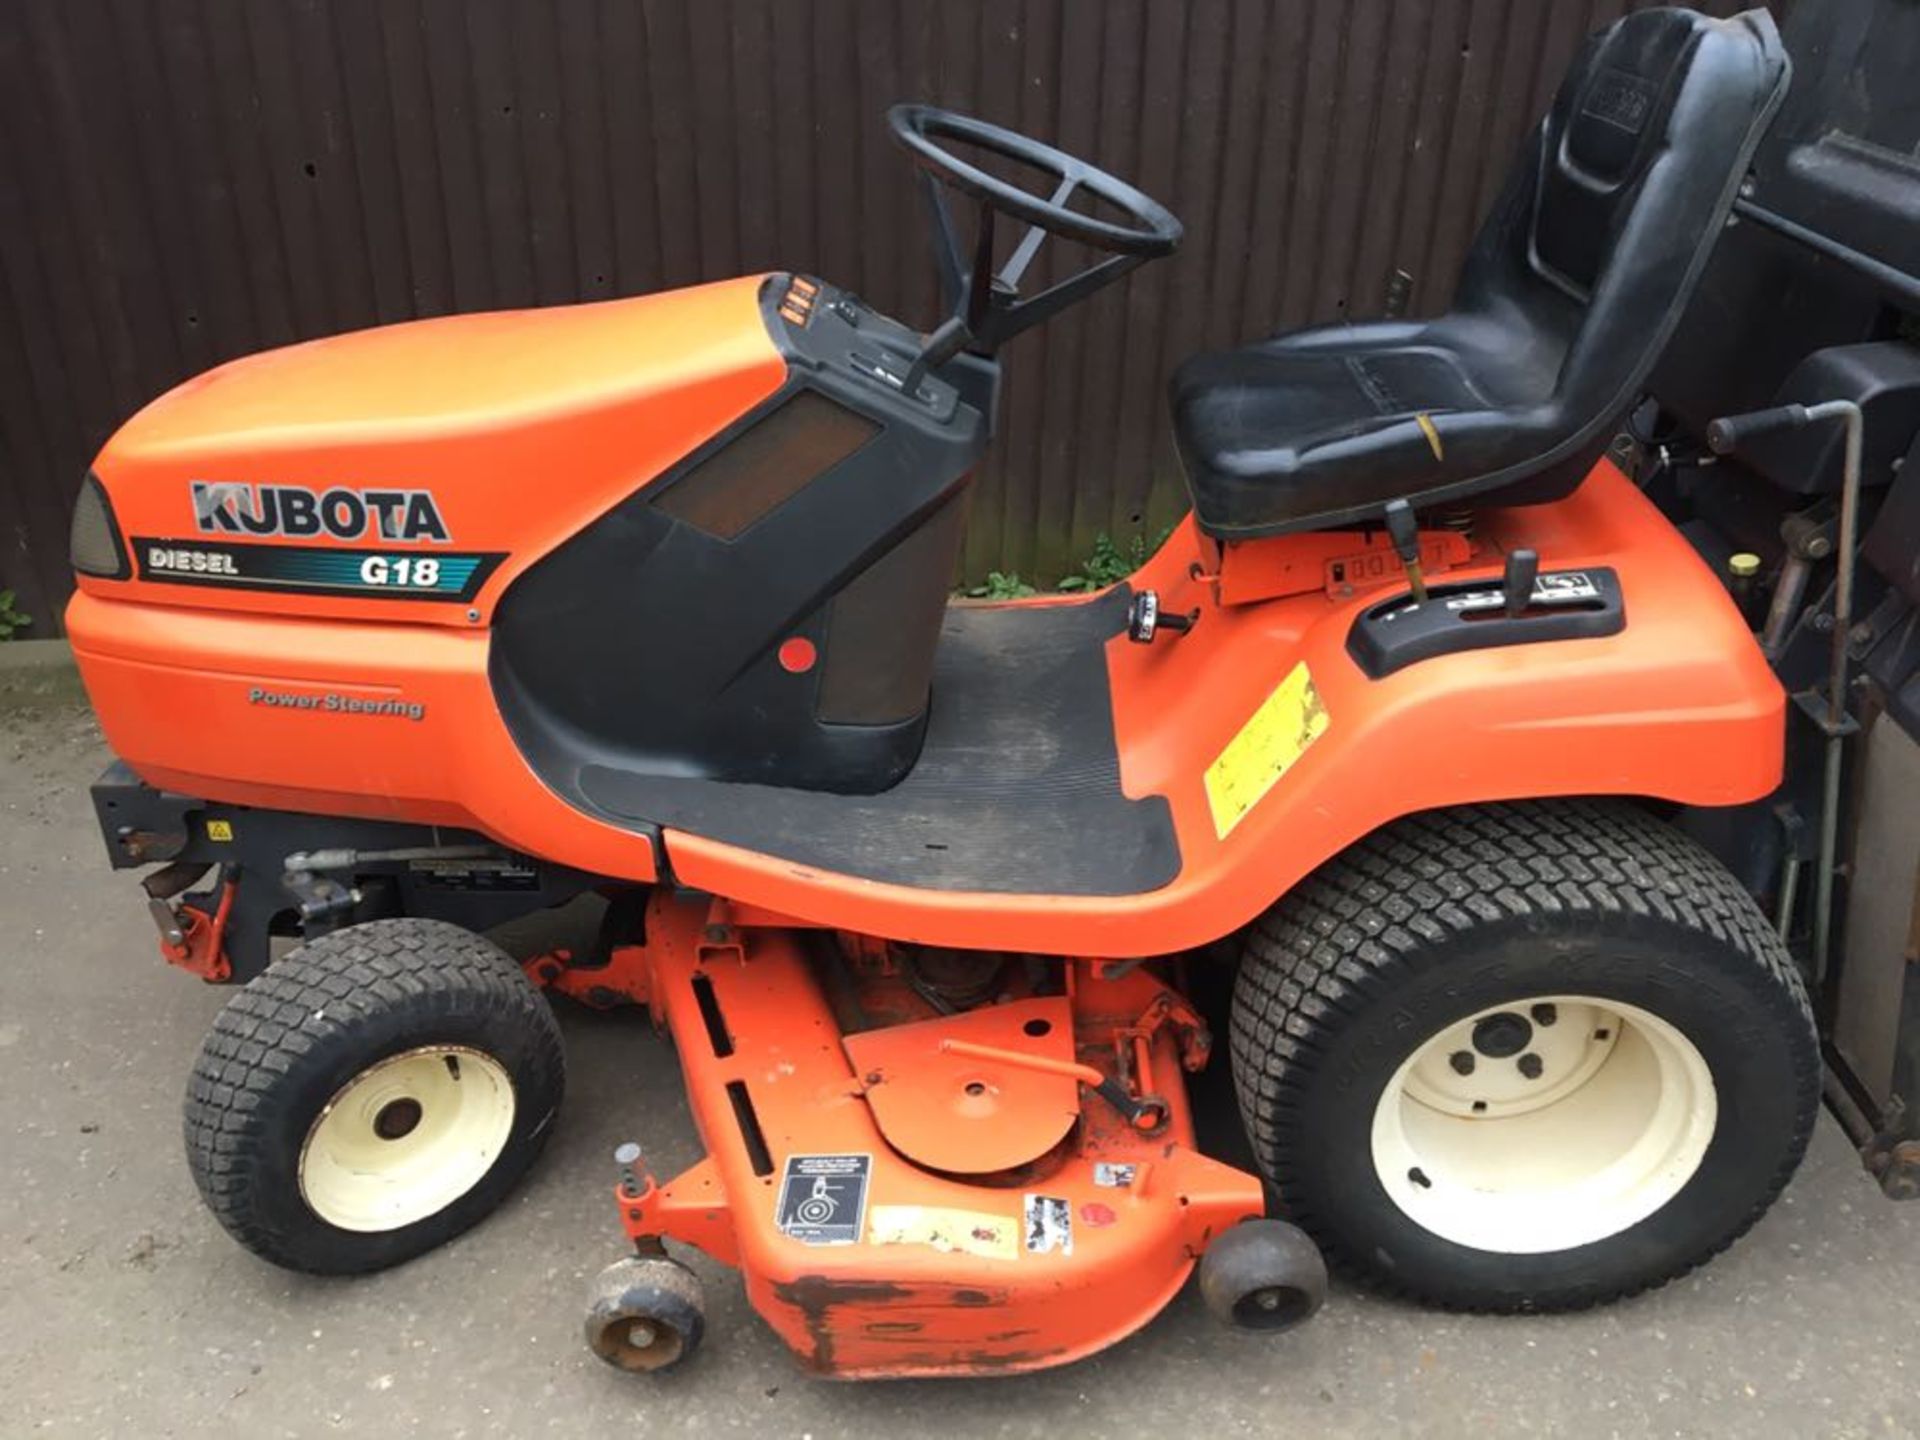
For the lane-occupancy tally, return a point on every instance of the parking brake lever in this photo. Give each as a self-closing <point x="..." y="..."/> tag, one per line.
<point x="1404" y="531"/>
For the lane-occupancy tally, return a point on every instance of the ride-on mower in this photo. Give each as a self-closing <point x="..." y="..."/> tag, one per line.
<point x="1443" y="717"/>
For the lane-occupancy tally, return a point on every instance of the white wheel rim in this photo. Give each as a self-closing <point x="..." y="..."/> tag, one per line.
<point x="406" y="1137"/>
<point x="1525" y="1158"/>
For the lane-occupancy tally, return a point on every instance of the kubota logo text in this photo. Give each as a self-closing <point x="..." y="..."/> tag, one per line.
<point x="227" y="508"/>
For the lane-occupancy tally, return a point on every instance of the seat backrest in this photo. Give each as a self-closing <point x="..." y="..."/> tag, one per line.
<point x="1613" y="207"/>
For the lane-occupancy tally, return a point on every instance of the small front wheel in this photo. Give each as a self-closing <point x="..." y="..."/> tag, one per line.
<point x="372" y="1094"/>
<point x="1263" y="1275"/>
<point x="645" y="1314"/>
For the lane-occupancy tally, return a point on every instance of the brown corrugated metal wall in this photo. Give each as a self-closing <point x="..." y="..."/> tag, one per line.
<point x="185" y="180"/>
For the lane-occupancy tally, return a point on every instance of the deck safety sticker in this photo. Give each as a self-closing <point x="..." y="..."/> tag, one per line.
<point x="1274" y="737"/>
<point x="823" y="1198"/>
<point x="1049" y="1225"/>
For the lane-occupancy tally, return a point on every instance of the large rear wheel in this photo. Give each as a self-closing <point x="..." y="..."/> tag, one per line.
<point x="1523" y="1057"/>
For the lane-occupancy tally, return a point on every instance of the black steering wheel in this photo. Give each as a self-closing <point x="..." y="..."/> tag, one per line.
<point x="1152" y="230"/>
<point x="987" y="308"/>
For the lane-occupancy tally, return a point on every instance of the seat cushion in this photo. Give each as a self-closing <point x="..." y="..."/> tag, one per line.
<point x="1245" y="403"/>
<point x="1319" y="423"/>
<point x="1325" y="426"/>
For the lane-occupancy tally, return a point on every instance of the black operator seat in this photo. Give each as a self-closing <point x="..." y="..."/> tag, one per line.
<point x="1568" y="295"/>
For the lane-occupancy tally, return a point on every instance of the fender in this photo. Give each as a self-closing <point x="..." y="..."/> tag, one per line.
<point x="1679" y="706"/>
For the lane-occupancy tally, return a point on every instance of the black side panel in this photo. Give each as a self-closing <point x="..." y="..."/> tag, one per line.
<point x="653" y="639"/>
<point x="1017" y="790"/>
<point x="883" y="628"/>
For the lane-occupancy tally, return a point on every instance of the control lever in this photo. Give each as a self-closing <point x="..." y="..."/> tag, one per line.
<point x="1145" y="619"/>
<point x="1146" y="1113"/>
<point x="1523" y="567"/>
<point x="1404" y="531"/>
<point x="1730" y="432"/>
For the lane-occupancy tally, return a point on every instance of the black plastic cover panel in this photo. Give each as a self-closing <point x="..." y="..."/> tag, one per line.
<point x="1892" y="546"/>
<point x="1882" y="377"/>
<point x="652" y="639"/>
<point x="1842" y="159"/>
<point x="1472" y="615"/>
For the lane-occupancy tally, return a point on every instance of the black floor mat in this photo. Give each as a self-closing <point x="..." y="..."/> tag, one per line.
<point x="1017" y="790"/>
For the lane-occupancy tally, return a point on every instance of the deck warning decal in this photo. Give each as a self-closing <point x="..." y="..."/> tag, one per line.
<point x="1049" y="1225"/>
<point x="823" y="1198"/>
<point x="1274" y="737"/>
<point x="969" y="1232"/>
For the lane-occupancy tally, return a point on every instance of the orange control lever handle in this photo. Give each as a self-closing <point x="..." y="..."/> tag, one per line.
<point x="1147" y="1113"/>
<point x="1045" y="1064"/>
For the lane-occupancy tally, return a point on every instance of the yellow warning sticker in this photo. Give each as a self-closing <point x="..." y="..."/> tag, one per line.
<point x="1274" y="737"/>
<point x="219" y="830"/>
<point x="970" y="1232"/>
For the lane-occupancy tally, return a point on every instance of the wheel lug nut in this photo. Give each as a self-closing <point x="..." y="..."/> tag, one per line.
<point x="1531" y="1065"/>
<point x="1462" y="1062"/>
<point x="1545" y="1014"/>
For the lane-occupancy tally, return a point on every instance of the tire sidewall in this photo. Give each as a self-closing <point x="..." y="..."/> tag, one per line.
<point x="473" y="996"/>
<point x="1749" y="1029"/>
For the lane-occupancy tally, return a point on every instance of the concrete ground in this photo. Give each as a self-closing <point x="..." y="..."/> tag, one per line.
<point x="125" y="1309"/>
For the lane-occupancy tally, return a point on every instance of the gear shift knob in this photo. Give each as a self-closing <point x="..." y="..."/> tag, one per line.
<point x="1523" y="567"/>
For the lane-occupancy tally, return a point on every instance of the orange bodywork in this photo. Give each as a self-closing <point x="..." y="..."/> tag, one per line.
<point x="944" y="1277"/>
<point x="1680" y="705"/>
<point x="171" y="689"/>
<point x="527" y="424"/>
